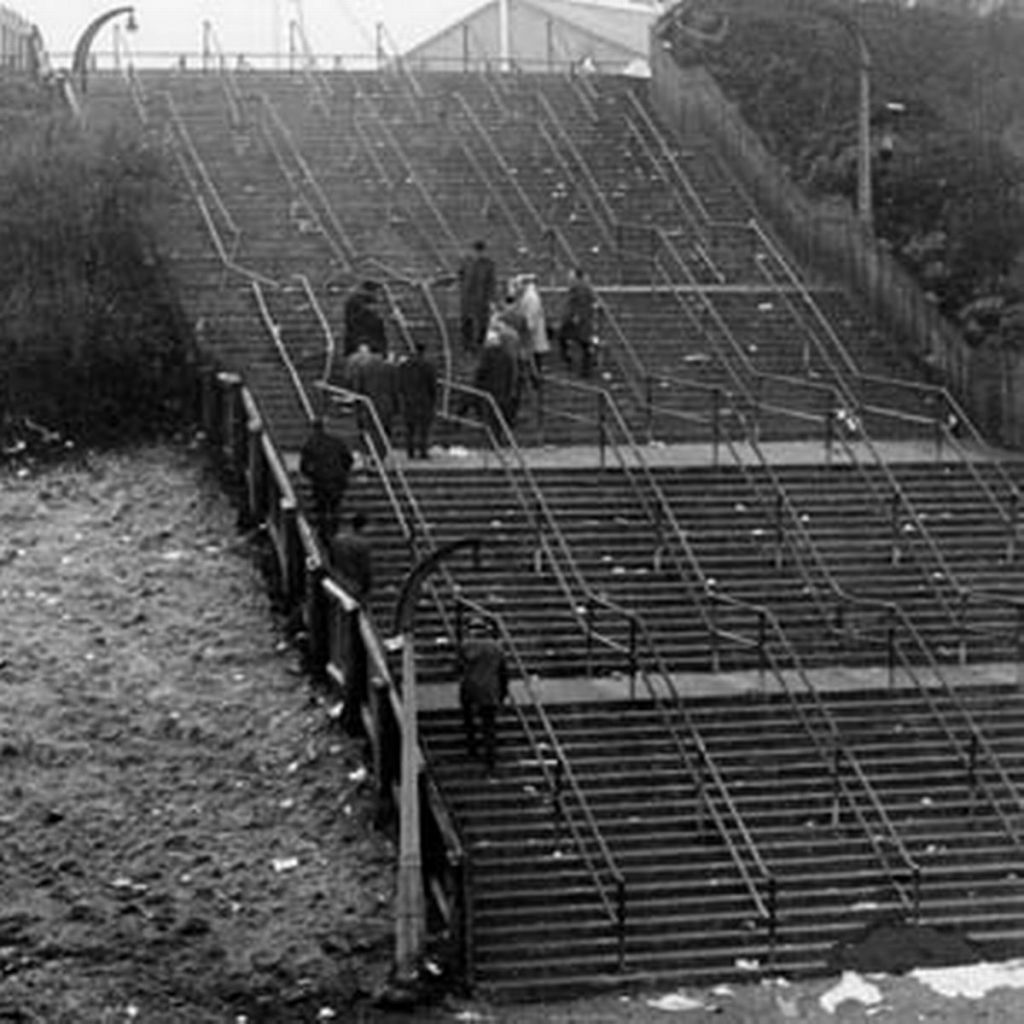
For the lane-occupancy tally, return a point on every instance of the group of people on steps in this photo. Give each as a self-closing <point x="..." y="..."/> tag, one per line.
<point x="510" y="340"/>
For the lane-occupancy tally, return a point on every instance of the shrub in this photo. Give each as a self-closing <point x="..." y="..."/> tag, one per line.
<point x="91" y="336"/>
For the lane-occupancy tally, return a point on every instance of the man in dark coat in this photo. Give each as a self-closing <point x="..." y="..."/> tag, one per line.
<point x="417" y="395"/>
<point x="352" y="568"/>
<point x="326" y="462"/>
<point x="483" y="688"/>
<point x="497" y="373"/>
<point x="352" y="559"/>
<point x="372" y="375"/>
<point x="477" y="285"/>
<point x="577" y="324"/>
<point x="364" y="324"/>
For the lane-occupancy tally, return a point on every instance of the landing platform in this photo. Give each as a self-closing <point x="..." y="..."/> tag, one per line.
<point x="833" y="679"/>
<point x="658" y="453"/>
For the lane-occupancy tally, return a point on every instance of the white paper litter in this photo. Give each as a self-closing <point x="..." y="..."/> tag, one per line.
<point x="675" y="1002"/>
<point x="851" y="987"/>
<point x="972" y="981"/>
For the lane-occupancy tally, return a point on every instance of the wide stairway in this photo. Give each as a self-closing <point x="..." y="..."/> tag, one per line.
<point x="756" y="579"/>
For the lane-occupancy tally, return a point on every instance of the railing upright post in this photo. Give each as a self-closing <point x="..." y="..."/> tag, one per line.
<point x="780" y="530"/>
<point x="618" y="253"/>
<point x="590" y="637"/>
<point x="965" y="598"/>
<point x="891" y="648"/>
<point x="701" y="793"/>
<point x="716" y="424"/>
<point x="620" y="915"/>
<point x="894" y="528"/>
<point x="773" y="918"/>
<point x="972" y="772"/>
<point x="1011" y="527"/>
<point x="632" y="658"/>
<point x="601" y="428"/>
<point x="649" y="407"/>
<point x="837" y="766"/>
<point x="830" y="433"/>
<point x="1020" y="644"/>
<point x="762" y="652"/>
<point x="716" y="655"/>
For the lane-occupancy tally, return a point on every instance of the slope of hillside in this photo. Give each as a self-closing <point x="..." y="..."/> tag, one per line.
<point x="947" y="133"/>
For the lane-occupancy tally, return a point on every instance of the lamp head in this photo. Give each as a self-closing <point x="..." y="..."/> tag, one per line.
<point x="133" y="25"/>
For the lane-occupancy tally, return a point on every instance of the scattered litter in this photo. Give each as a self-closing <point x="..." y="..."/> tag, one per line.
<point x="972" y="981"/>
<point x="459" y="451"/>
<point x="851" y="987"/>
<point x="618" y="570"/>
<point x="282" y="864"/>
<point x="722" y="990"/>
<point x="675" y="1002"/>
<point x="334" y="710"/>
<point x="864" y="905"/>
<point x="326" y="1013"/>
<point x="293" y="767"/>
<point x="131" y="1011"/>
<point x="926" y="801"/>
<point x="286" y="804"/>
<point x="765" y="307"/>
<point x="743" y="964"/>
<point x="173" y="556"/>
<point x="358" y="775"/>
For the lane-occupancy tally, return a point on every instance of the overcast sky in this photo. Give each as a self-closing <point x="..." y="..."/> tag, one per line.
<point x="246" y="26"/>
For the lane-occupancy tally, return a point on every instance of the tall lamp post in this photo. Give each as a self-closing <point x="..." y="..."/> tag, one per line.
<point x="410" y="923"/>
<point x="80" y="61"/>
<point x="830" y="9"/>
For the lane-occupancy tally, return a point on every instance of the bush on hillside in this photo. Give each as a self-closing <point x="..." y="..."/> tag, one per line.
<point x="946" y="185"/>
<point x="90" y="336"/>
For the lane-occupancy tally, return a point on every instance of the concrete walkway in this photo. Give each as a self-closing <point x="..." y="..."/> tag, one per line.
<point x="659" y="454"/>
<point x="725" y="684"/>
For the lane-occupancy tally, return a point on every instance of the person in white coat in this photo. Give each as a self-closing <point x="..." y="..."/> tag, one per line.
<point x="532" y="309"/>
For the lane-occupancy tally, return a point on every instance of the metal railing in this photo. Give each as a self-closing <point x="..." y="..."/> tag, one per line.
<point x="416" y="528"/>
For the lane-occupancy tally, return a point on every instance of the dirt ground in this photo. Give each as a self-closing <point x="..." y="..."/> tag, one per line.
<point x="185" y="837"/>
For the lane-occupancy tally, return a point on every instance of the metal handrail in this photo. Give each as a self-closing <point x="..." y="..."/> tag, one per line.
<point x="614" y="909"/>
<point x="940" y="396"/>
<point x="419" y="536"/>
<point x="713" y="594"/>
<point x="681" y="177"/>
<point x="700" y="245"/>
<point x="337" y="237"/>
<point x="186" y="140"/>
<point x="232" y="93"/>
<point x="274" y="328"/>
<point x="592" y="195"/>
<point x="331" y="345"/>
<point x="410" y="173"/>
<point x="883" y="466"/>
<point x="846" y="599"/>
<point x="320" y="89"/>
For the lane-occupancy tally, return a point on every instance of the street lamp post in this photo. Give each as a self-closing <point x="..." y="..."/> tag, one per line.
<point x="80" y="61"/>
<point x="410" y="924"/>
